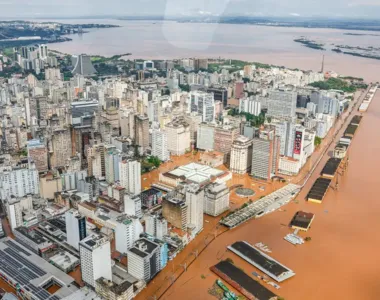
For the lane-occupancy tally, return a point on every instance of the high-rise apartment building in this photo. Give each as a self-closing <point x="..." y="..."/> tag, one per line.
<point x="95" y="258"/>
<point x="156" y="225"/>
<point x="217" y="199"/>
<point x="14" y="212"/>
<point x="142" y="132"/>
<point x="249" y="105"/>
<point x="265" y="154"/>
<point x="204" y="104"/>
<point x="61" y="147"/>
<point x="38" y="152"/>
<point x="75" y="228"/>
<point x="282" y="104"/>
<point x="178" y="133"/>
<point x="200" y="64"/>
<point x="144" y="259"/>
<point x="174" y="210"/>
<point x="43" y="51"/>
<point x="239" y="89"/>
<point x="160" y="144"/>
<point x="241" y="155"/>
<point x="206" y="136"/>
<point x="130" y="176"/>
<point x="223" y="139"/>
<point x="127" y="232"/>
<point x="19" y="182"/>
<point x="96" y="161"/>
<point x="194" y="200"/>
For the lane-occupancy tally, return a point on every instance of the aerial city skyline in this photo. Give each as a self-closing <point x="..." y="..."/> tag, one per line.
<point x="125" y="176"/>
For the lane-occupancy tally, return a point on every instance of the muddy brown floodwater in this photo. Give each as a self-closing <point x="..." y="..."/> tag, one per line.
<point x="341" y="261"/>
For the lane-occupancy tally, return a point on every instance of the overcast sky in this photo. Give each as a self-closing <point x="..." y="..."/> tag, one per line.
<point x="301" y="8"/>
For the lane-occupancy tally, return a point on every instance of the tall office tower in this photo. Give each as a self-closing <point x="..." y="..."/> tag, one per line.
<point x="220" y="94"/>
<point x="174" y="210"/>
<point x="265" y="154"/>
<point x="19" y="182"/>
<point x="195" y="197"/>
<point x="200" y="64"/>
<point x="61" y="148"/>
<point x="202" y="103"/>
<point x="144" y="259"/>
<point x="130" y="176"/>
<point x="217" y="199"/>
<point x="153" y="111"/>
<point x="39" y="107"/>
<point x="95" y="258"/>
<point x="109" y="164"/>
<point x="224" y="137"/>
<point x="324" y="103"/>
<point x="178" y="132"/>
<point x="75" y="228"/>
<point x="82" y="65"/>
<point x="43" y="51"/>
<point x="96" y="161"/>
<point x="38" y="152"/>
<point x="160" y="145"/>
<point x="14" y="212"/>
<point x="127" y="231"/>
<point x="286" y="132"/>
<point x="241" y="155"/>
<point x="282" y="104"/>
<point x="127" y="122"/>
<point x="249" y="105"/>
<point x="156" y="225"/>
<point x="142" y="132"/>
<point x="239" y="89"/>
<point x="206" y="136"/>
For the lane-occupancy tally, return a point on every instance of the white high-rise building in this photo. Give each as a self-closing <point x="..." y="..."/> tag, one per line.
<point x="205" y="136"/>
<point x="156" y="225"/>
<point x="19" y="182"/>
<point x="95" y="258"/>
<point x="241" y="155"/>
<point x="203" y="103"/>
<point x="217" y="199"/>
<point x="194" y="200"/>
<point x="282" y="104"/>
<point x="130" y="176"/>
<point x="178" y="134"/>
<point x="160" y="145"/>
<point x="144" y="259"/>
<point x="127" y="231"/>
<point x="14" y="213"/>
<point x="250" y="106"/>
<point x="43" y="51"/>
<point x="75" y="228"/>
<point x="132" y="205"/>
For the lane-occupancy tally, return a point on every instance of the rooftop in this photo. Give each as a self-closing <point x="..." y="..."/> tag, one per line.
<point x="302" y="219"/>
<point x="260" y="260"/>
<point x="31" y="272"/>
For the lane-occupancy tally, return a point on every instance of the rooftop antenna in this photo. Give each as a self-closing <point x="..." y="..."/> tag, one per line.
<point x="323" y="64"/>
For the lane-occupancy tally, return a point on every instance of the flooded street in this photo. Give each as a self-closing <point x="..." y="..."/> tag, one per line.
<point x="341" y="261"/>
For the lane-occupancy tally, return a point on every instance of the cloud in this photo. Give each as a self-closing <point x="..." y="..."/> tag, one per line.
<point x="295" y="14"/>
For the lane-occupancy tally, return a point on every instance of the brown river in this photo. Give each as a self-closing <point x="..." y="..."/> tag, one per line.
<point x="272" y="45"/>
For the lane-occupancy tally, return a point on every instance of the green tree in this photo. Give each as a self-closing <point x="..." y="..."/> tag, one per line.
<point x="317" y="141"/>
<point x="154" y="160"/>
